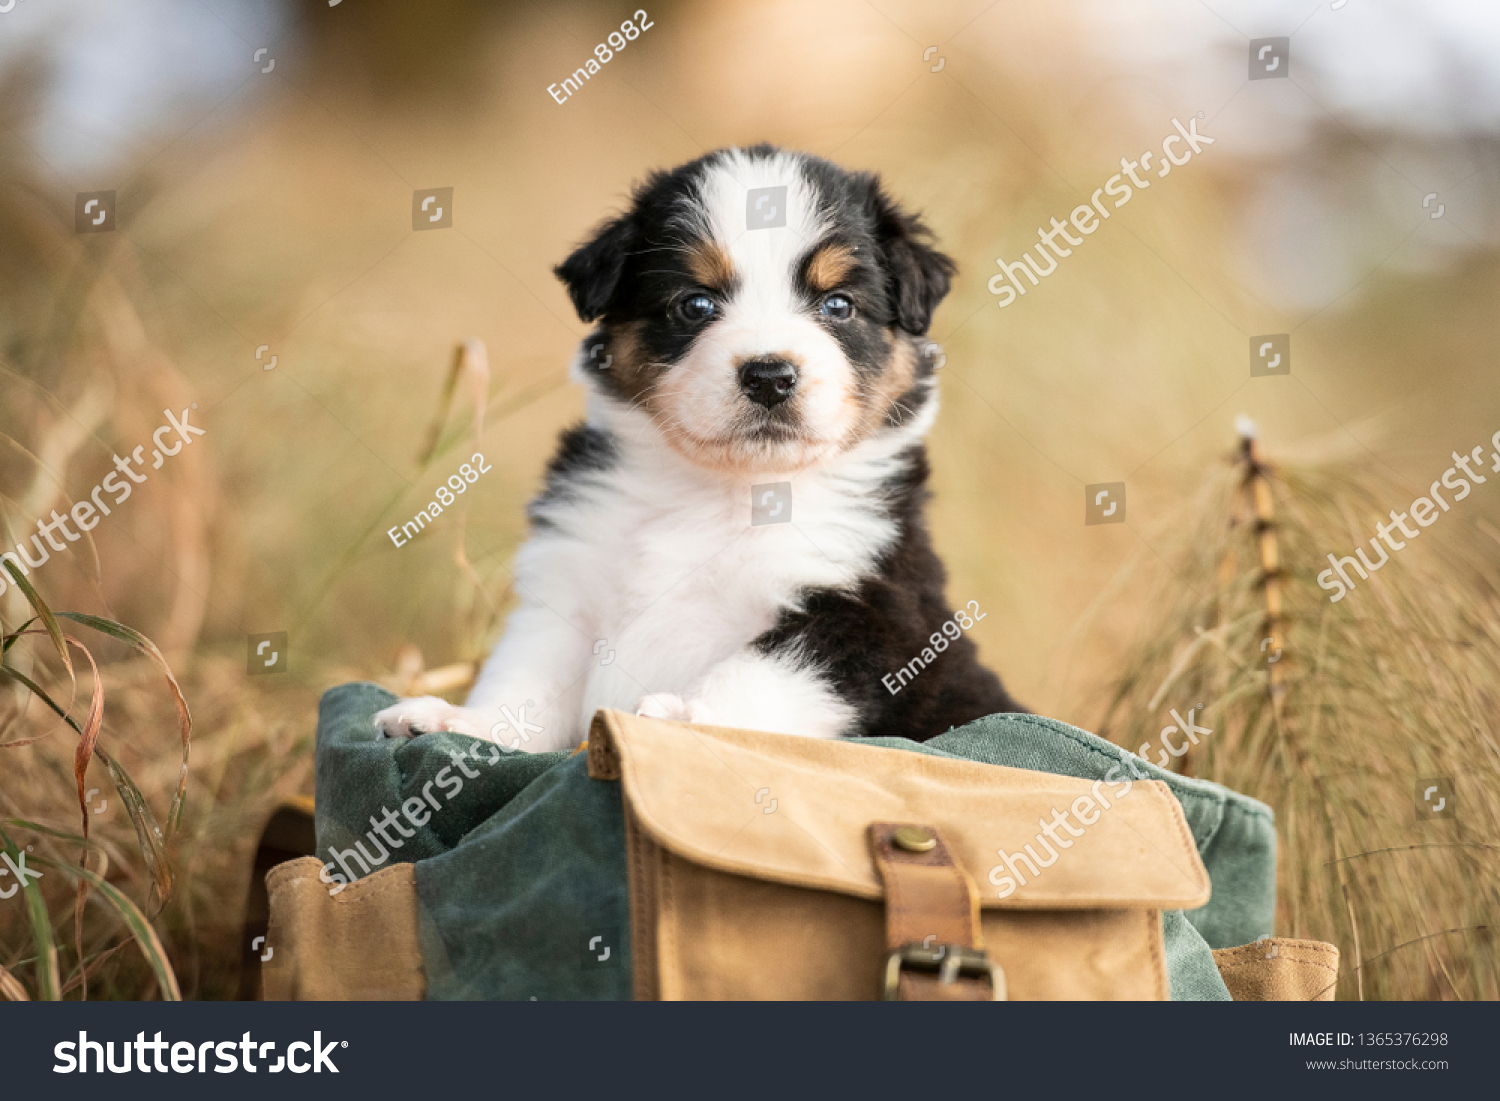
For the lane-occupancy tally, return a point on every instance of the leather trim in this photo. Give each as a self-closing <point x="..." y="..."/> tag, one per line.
<point x="360" y="944"/>
<point x="1280" y="969"/>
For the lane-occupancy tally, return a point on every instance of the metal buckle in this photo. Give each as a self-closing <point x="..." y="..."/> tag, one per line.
<point x="949" y="962"/>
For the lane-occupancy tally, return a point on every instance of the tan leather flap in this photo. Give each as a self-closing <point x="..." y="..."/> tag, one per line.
<point x="795" y="810"/>
<point x="360" y="944"/>
<point x="1280" y="969"/>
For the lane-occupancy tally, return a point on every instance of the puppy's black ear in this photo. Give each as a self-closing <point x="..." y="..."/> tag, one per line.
<point x="592" y="273"/>
<point x="917" y="275"/>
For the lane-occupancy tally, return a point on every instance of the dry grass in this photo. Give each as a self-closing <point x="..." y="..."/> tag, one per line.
<point x="1396" y="683"/>
<point x="257" y="752"/>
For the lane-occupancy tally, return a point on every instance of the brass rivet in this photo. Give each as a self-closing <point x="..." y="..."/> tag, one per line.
<point x="914" y="839"/>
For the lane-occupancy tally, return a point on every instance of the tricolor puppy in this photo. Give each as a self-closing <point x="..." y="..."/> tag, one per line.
<point x="735" y="534"/>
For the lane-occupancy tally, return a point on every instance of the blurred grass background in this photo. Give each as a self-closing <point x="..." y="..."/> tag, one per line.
<point x="274" y="208"/>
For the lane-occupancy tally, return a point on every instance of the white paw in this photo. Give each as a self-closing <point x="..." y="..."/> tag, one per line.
<point x="424" y="715"/>
<point x="664" y="705"/>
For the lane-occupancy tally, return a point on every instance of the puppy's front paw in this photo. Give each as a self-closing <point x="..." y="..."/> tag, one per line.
<point x="423" y="715"/>
<point x="664" y="705"/>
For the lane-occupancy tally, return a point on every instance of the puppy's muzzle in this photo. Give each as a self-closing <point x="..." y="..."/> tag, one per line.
<point x="768" y="381"/>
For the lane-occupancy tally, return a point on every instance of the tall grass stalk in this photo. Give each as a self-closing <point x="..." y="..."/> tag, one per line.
<point x="1338" y="714"/>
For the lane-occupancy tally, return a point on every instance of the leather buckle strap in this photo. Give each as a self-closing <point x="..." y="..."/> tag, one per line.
<point x="935" y="950"/>
<point x="947" y="963"/>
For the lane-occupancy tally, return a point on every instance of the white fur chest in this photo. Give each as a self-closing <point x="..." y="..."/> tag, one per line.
<point x="675" y="576"/>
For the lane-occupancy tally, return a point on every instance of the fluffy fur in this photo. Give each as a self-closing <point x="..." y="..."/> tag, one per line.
<point x="726" y="356"/>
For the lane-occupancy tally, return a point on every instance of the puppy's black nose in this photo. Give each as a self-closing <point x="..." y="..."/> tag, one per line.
<point x="768" y="382"/>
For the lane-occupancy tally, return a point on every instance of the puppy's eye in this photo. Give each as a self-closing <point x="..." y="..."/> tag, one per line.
<point x="838" y="307"/>
<point x="696" y="308"/>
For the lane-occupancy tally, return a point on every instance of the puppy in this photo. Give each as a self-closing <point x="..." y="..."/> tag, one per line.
<point x="735" y="534"/>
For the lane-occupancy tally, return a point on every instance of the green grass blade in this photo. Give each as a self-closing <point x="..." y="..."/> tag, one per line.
<point x="147" y="829"/>
<point x="49" y="621"/>
<point x="7" y="641"/>
<point x="135" y="921"/>
<point x="36" y="690"/>
<point x="49" y="831"/>
<point x="48" y="981"/>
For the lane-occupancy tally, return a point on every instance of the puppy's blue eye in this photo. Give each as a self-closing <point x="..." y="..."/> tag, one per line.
<point x="837" y="307"/>
<point x="696" y="308"/>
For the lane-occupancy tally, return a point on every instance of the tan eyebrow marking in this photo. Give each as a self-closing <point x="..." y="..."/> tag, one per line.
<point x="710" y="265"/>
<point x="827" y="267"/>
